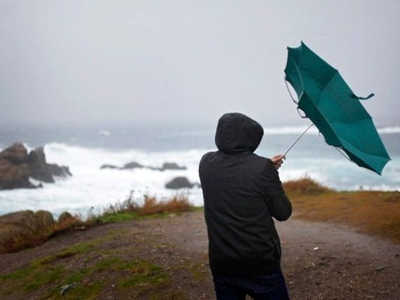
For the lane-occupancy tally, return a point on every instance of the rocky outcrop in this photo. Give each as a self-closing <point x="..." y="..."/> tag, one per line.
<point x="17" y="167"/>
<point x="43" y="171"/>
<point x="136" y="165"/>
<point x="107" y="166"/>
<point x="171" y="166"/>
<point x="179" y="183"/>
<point x="132" y="165"/>
<point x="128" y="166"/>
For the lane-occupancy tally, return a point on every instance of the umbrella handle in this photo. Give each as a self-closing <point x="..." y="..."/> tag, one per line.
<point x="298" y="138"/>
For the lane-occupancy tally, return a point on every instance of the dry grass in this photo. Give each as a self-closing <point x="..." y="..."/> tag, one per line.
<point x="305" y="186"/>
<point x="151" y="206"/>
<point x="371" y="212"/>
<point x="17" y="239"/>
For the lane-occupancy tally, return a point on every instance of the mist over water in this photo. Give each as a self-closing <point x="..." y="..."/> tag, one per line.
<point x="85" y="150"/>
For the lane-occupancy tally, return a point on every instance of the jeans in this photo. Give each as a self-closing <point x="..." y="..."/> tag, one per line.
<point x="269" y="286"/>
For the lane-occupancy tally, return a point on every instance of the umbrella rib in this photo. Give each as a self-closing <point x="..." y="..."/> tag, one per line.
<point x="290" y="94"/>
<point x="298" y="71"/>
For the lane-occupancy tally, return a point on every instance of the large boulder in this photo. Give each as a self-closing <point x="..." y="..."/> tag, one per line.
<point x="16" y="154"/>
<point x="22" y="225"/>
<point x="17" y="166"/>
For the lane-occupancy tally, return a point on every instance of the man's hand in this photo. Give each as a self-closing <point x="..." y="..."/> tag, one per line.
<point x="278" y="160"/>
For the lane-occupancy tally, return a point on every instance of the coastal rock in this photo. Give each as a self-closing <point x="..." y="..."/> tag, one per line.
<point x="44" y="219"/>
<point x="66" y="217"/>
<point x="17" y="167"/>
<point x="132" y="165"/>
<point x="108" y="167"/>
<point x="43" y="171"/>
<point x="16" y="154"/>
<point x="128" y="166"/>
<point x="179" y="183"/>
<point x="171" y="166"/>
<point x="136" y="165"/>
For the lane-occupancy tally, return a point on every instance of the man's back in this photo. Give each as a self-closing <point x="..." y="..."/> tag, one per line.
<point x="242" y="192"/>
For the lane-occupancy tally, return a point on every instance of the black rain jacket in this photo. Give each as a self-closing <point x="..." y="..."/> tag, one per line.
<point x="242" y="192"/>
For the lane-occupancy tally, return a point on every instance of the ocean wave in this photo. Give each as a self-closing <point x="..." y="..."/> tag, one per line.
<point x="104" y="132"/>
<point x="282" y="130"/>
<point x="389" y="129"/>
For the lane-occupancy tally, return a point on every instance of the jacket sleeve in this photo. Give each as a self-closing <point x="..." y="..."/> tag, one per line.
<point x="277" y="201"/>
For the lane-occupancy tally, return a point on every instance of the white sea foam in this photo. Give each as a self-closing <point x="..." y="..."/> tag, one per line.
<point x="290" y="130"/>
<point x="389" y="129"/>
<point x="91" y="186"/>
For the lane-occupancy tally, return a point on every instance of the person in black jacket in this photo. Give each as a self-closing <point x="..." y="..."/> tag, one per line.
<point x="242" y="193"/>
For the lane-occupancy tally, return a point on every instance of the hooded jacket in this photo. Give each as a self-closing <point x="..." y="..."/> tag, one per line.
<point x="242" y="192"/>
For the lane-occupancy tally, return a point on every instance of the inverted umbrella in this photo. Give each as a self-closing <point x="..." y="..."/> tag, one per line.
<point x="327" y="100"/>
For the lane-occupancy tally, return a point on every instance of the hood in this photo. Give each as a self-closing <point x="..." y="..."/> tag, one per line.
<point x="237" y="133"/>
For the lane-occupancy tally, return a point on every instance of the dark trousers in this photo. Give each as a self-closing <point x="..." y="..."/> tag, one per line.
<point x="269" y="286"/>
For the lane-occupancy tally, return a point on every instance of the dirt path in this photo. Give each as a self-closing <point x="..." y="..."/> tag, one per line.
<point x="325" y="261"/>
<point x="320" y="261"/>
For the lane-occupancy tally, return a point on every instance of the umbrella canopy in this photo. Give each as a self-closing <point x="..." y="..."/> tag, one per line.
<point x="327" y="100"/>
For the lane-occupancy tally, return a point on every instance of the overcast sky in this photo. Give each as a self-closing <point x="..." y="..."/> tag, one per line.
<point x="122" y="61"/>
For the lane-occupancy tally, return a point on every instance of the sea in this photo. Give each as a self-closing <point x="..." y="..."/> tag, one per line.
<point x="92" y="189"/>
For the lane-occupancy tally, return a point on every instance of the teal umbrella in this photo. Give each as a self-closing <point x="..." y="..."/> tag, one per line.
<point x="326" y="99"/>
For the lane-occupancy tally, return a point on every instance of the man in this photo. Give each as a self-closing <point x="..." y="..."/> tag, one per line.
<point x="242" y="192"/>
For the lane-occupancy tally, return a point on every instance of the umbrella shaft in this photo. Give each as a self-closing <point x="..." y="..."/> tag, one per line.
<point x="299" y="137"/>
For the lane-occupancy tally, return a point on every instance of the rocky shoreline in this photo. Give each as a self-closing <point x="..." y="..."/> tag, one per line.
<point x="18" y="168"/>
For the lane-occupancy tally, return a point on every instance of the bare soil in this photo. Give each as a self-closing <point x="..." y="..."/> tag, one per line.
<point x="320" y="260"/>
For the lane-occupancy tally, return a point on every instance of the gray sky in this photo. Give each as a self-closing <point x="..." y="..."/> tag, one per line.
<point x="107" y="61"/>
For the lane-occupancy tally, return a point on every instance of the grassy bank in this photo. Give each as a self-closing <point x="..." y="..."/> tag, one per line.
<point x="372" y="212"/>
<point x="128" y="209"/>
<point x="105" y="266"/>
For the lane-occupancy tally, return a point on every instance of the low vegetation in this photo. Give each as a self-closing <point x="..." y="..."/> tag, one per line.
<point x="121" y="211"/>
<point x="371" y="212"/>
<point x="305" y="186"/>
<point x="134" y="209"/>
<point x="87" y="271"/>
